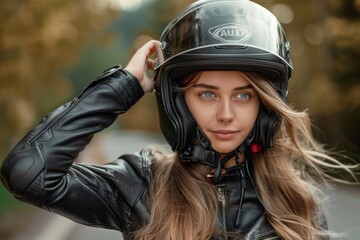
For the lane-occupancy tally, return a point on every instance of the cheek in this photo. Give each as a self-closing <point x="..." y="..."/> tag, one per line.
<point x="196" y="109"/>
<point x="249" y="115"/>
<point x="250" y="122"/>
<point x="200" y="116"/>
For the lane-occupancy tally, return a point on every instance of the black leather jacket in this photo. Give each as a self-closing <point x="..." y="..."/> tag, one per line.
<point x="40" y="169"/>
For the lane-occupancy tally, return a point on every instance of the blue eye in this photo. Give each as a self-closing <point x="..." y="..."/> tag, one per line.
<point x="207" y="95"/>
<point x="243" y="96"/>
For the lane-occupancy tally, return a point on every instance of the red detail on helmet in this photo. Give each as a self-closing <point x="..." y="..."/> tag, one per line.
<point x="255" y="148"/>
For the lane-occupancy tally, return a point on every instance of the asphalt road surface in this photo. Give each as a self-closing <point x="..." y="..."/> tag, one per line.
<point x="342" y="208"/>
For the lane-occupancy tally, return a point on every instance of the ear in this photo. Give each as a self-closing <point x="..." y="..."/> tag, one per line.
<point x="187" y="129"/>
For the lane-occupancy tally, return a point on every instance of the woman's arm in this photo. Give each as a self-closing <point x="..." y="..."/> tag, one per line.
<point x="40" y="169"/>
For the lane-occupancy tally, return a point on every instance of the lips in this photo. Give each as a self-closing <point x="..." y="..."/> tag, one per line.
<point x="223" y="134"/>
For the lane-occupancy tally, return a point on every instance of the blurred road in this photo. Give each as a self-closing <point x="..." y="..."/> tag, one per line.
<point x="342" y="209"/>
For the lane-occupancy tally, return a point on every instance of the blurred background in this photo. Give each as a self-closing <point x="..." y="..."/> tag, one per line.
<point x="49" y="50"/>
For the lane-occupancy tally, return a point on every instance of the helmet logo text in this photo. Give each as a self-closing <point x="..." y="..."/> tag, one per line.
<point x="231" y="33"/>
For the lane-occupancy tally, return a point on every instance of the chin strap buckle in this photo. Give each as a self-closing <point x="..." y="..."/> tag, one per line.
<point x="200" y="155"/>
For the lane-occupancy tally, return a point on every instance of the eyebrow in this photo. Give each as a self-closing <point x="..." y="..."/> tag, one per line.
<point x="203" y="85"/>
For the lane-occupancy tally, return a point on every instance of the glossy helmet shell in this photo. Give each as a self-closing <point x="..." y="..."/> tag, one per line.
<point x="218" y="35"/>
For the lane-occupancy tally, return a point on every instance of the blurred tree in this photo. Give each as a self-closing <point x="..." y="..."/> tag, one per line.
<point x="343" y="26"/>
<point x="38" y="40"/>
<point x="325" y="39"/>
<point x="130" y="30"/>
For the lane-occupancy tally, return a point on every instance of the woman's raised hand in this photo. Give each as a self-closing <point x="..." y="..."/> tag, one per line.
<point x="141" y="62"/>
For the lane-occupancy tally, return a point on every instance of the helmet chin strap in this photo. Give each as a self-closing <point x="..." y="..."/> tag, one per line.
<point x="202" y="152"/>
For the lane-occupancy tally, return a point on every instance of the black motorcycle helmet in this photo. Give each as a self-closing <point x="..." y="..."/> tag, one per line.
<point x="218" y="35"/>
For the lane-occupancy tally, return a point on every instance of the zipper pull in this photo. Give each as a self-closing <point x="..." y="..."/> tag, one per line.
<point x="221" y="196"/>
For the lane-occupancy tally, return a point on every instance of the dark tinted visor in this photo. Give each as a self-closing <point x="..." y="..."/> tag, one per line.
<point x="231" y="23"/>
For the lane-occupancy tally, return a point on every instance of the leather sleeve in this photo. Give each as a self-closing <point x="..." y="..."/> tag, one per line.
<point x="40" y="169"/>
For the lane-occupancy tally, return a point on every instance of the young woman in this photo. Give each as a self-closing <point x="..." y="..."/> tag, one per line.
<point x="243" y="164"/>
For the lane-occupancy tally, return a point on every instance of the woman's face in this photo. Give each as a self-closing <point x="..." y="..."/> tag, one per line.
<point x="225" y="106"/>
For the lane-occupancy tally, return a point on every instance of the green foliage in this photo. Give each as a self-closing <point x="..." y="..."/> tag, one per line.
<point x="7" y="202"/>
<point x="39" y="39"/>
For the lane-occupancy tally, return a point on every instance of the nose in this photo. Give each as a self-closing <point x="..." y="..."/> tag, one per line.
<point x="225" y="112"/>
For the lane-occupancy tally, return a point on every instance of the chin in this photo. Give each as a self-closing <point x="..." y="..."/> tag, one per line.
<point x="225" y="150"/>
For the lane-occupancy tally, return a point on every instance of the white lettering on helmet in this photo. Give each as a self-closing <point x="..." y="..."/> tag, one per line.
<point x="231" y="33"/>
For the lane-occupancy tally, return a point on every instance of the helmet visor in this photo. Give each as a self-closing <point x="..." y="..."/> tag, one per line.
<point x="231" y="23"/>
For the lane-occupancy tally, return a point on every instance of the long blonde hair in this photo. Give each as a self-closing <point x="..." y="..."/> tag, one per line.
<point x="183" y="203"/>
<point x="287" y="174"/>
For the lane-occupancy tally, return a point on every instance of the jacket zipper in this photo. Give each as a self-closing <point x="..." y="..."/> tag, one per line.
<point x="222" y="199"/>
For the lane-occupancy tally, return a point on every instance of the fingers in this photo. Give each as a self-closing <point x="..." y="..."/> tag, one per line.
<point x="141" y="62"/>
<point x="140" y="59"/>
<point x="149" y="48"/>
<point x="150" y="64"/>
<point x="152" y="45"/>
